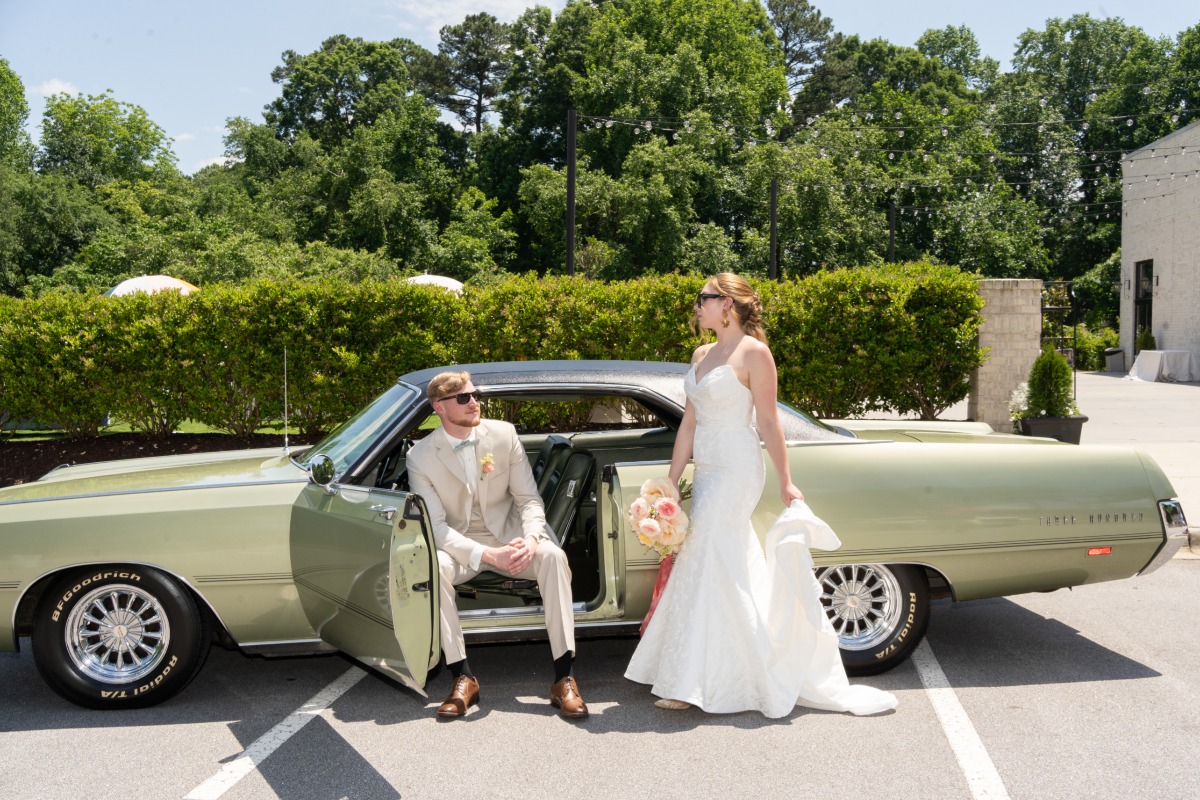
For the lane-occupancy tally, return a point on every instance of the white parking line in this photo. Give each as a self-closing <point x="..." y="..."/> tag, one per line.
<point x="982" y="777"/>
<point x="270" y="741"/>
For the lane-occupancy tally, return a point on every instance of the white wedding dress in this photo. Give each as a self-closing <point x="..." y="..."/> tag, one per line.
<point x="735" y="630"/>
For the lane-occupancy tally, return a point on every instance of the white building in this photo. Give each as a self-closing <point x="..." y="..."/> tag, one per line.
<point x="1160" y="243"/>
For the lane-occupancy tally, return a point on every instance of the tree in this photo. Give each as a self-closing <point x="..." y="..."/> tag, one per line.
<point x="44" y="222"/>
<point x="803" y="33"/>
<point x="426" y="71"/>
<point x="477" y="242"/>
<point x="852" y="68"/>
<point x="346" y="84"/>
<point x="96" y="139"/>
<point x="15" y="148"/>
<point x="474" y="55"/>
<point x="1184" y="88"/>
<point x="958" y="49"/>
<point x="1087" y="76"/>
<point x="672" y="57"/>
<point x="1075" y="57"/>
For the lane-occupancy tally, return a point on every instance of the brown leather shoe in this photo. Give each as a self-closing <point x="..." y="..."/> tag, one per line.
<point x="464" y="695"/>
<point x="564" y="695"/>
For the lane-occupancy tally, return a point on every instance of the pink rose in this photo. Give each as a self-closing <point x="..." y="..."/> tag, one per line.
<point x="659" y="487"/>
<point x="666" y="508"/>
<point x="670" y="537"/>
<point x="649" y="527"/>
<point x="639" y="509"/>
<point x="488" y="466"/>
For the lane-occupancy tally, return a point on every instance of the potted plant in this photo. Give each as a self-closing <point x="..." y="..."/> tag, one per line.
<point x="1045" y="405"/>
<point x="1144" y="341"/>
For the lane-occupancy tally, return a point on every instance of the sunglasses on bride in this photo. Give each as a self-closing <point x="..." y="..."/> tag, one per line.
<point x="700" y="298"/>
<point x="462" y="398"/>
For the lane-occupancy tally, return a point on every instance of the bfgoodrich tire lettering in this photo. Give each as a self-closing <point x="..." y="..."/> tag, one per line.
<point x="118" y="637"/>
<point x="879" y="611"/>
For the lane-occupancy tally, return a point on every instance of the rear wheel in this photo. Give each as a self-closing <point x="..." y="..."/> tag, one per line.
<point x="879" y="611"/>
<point x="119" y="637"/>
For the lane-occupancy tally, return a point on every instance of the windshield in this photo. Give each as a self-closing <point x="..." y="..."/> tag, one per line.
<point x="801" y="426"/>
<point x="356" y="434"/>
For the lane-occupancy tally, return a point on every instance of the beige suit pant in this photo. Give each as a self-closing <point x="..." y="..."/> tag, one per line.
<point x="549" y="568"/>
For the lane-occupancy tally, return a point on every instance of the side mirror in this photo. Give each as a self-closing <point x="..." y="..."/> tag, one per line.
<point x="320" y="470"/>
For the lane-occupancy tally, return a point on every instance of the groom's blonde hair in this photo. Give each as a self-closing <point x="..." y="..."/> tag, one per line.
<point x="446" y="383"/>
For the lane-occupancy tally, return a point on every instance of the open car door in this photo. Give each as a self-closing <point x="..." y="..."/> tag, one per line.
<point x="365" y="567"/>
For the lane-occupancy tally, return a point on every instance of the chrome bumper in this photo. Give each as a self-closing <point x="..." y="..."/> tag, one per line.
<point x="1176" y="528"/>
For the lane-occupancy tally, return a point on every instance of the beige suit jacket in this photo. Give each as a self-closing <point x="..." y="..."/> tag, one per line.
<point x="508" y="495"/>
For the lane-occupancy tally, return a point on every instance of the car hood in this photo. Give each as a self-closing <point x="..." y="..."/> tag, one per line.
<point x="231" y="468"/>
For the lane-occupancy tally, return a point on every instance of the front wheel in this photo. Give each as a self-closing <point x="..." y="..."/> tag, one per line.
<point x="118" y="637"/>
<point x="879" y="611"/>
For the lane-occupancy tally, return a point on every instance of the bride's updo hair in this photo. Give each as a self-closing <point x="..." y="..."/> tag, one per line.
<point x="746" y="302"/>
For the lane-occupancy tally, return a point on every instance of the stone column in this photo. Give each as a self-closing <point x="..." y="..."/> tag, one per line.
<point x="1012" y="329"/>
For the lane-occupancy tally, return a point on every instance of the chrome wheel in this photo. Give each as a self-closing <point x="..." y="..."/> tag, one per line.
<point x="117" y="634"/>
<point x="864" y="603"/>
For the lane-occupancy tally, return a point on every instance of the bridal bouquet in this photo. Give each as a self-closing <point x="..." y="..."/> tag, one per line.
<point x="657" y="517"/>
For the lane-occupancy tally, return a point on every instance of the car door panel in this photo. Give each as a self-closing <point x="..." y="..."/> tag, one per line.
<point x="365" y="567"/>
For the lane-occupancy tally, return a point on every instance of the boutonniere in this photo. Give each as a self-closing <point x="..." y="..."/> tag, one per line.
<point x="487" y="463"/>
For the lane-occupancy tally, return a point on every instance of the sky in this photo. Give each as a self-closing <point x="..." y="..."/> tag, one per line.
<point x="193" y="65"/>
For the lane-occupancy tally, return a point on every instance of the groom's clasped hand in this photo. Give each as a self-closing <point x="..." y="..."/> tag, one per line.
<point x="513" y="558"/>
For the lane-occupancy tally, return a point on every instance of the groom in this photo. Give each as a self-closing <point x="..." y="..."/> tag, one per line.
<point x="487" y="514"/>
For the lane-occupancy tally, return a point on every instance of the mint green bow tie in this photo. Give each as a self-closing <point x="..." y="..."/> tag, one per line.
<point x="465" y="443"/>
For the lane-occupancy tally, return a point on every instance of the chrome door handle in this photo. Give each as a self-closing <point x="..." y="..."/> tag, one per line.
<point x="387" y="512"/>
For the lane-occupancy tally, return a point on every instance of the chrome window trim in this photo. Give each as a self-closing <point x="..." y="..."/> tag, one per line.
<point x="413" y="416"/>
<point x="286" y="647"/>
<point x="578" y="607"/>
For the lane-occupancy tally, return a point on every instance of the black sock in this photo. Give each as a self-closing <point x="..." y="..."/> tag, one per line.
<point x="562" y="665"/>
<point x="459" y="668"/>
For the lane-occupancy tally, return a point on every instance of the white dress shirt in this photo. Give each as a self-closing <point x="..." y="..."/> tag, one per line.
<point x="470" y="463"/>
<point x="467" y="457"/>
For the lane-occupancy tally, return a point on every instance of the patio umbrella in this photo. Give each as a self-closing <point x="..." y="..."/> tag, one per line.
<point x="449" y="284"/>
<point x="151" y="284"/>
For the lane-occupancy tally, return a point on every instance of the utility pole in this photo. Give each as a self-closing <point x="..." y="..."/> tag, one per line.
<point x="571" y="191"/>
<point x="773" y="270"/>
<point x="891" y="231"/>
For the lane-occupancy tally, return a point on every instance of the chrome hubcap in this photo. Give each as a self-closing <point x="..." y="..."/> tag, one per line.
<point x="117" y="634"/>
<point x="863" y="603"/>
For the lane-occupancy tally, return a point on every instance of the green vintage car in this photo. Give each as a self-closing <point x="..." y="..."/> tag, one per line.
<point x="123" y="574"/>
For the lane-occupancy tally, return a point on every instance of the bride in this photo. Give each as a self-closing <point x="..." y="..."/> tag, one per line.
<point x="729" y="634"/>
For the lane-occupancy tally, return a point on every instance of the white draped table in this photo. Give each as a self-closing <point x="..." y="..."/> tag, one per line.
<point x="1165" y="365"/>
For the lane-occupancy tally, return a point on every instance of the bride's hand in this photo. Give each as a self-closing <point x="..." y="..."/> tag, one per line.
<point x="790" y="493"/>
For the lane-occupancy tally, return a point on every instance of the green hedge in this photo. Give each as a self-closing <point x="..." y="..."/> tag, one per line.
<point x="846" y="342"/>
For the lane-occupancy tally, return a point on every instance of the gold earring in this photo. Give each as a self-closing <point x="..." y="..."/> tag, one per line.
<point x="725" y="319"/>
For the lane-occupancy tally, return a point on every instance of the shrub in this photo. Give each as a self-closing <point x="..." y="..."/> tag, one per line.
<point x="1145" y="340"/>
<point x="1090" y="346"/>
<point x="153" y="342"/>
<point x="1050" y="391"/>
<point x="846" y="341"/>
<point x="56" y="355"/>
<point x="856" y="340"/>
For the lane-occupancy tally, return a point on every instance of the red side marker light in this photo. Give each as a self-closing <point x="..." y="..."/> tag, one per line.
<point x="1099" y="551"/>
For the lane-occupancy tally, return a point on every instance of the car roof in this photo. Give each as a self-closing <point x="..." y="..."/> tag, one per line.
<point x="663" y="378"/>
<point x="641" y="373"/>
